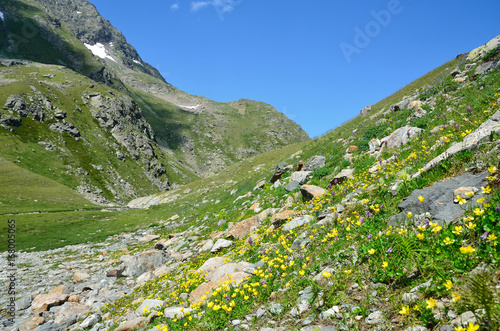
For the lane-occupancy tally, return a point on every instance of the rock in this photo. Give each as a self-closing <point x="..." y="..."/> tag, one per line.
<point x="365" y="110"/>
<point x="447" y="328"/>
<point x="400" y="136"/>
<point x="148" y="238"/>
<point x="459" y="79"/>
<point x="201" y="290"/>
<point x="62" y="289"/>
<point x="220" y="271"/>
<point x="65" y="127"/>
<point x="415" y="104"/>
<point x="416" y="328"/>
<point x="483" y="67"/>
<point x="133" y="324"/>
<point x="71" y="308"/>
<point x="352" y="149"/>
<point x="464" y="319"/>
<point x="455" y="72"/>
<point x="207" y="246"/>
<point x="482" y="50"/>
<point x="374" y="145"/>
<point x="23" y="303"/>
<point x="276" y="308"/>
<point x="342" y="176"/>
<point x="43" y="302"/>
<point x="332" y="312"/>
<point x="80" y="277"/>
<point x="292" y="186"/>
<point x="59" y="114"/>
<point x="314" y="163"/>
<point x="419" y="113"/>
<point x="439" y="199"/>
<point x="375" y="318"/>
<point x="254" y="206"/>
<point x="401" y="105"/>
<point x="243" y="228"/>
<point x="260" y="185"/>
<point x="90" y="321"/>
<point x="462" y="191"/>
<point x="280" y="218"/>
<point x="175" y="312"/>
<point x="320" y="278"/>
<point x="310" y="192"/>
<point x="296" y="222"/>
<point x="279" y="172"/>
<point x="145" y="277"/>
<point x="300" y="176"/>
<point x="220" y="244"/>
<point x="470" y="141"/>
<point x="133" y="266"/>
<point x="161" y="271"/>
<point x="149" y="305"/>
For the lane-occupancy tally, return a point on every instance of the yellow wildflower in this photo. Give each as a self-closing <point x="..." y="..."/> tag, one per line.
<point x="431" y="303"/>
<point x="448" y="284"/>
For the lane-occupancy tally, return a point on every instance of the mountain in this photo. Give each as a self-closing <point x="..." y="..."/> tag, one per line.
<point x="388" y="222"/>
<point x="69" y="78"/>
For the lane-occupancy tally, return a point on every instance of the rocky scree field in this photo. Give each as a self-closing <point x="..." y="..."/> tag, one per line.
<point x="388" y="222"/>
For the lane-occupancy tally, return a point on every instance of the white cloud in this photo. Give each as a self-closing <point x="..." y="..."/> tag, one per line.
<point x="197" y="5"/>
<point x="174" y="7"/>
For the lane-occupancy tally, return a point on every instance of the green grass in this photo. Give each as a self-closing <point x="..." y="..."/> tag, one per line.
<point x="23" y="192"/>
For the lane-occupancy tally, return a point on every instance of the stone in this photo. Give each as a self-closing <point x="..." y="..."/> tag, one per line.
<point x="300" y="176"/>
<point x="279" y="172"/>
<point x="375" y="318"/>
<point x="220" y="271"/>
<point x="150" y="305"/>
<point x="71" y="308"/>
<point x="65" y="127"/>
<point x="133" y="324"/>
<point x="80" y="277"/>
<point x="280" y="218"/>
<point x="342" y="176"/>
<point x="207" y="246"/>
<point x="314" y="163"/>
<point x="44" y="302"/>
<point x="145" y="277"/>
<point x="296" y="222"/>
<point x="133" y="266"/>
<point x="332" y="312"/>
<point x="62" y="289"/>
<point x="352" y="149"/>
<point x="415" y="104"/>
<point x="374" y="145"/>
<point x="439" y="199"/>
<point x="148" y="238"/>
<point x="462" y="191"/>
<point x="201" y="290"/>
<point x="90" y="321"/>
<point x="464" y="319"/>
<point x="400" y="136"/>
<point x="416" y="328"/>
<point x="483" y="67"/>
<point x="243" y="228"/>
<point x="276" y="308"/>
<point x="23" y="303"/>
<point x="221" y="244"/>
<point x="59" y="114"/>
<point x="254" y="206"/>
<point x="310" y="192"/>
<point x="419" y="113"/>
<point x="260" y="185"/>
<point x="292" y="186"/>
<point x="401" y="105"/>
<point x="161" y="271"/>
<point x="365" y="110"/>
<point x="175" y="312"/>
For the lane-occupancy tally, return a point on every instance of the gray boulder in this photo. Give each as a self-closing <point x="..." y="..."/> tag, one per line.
<point x="314" y="163"/>
<point x="401" y="105"/>
<point x="135" y="266"/>
<point x="400" y="136"/>
<point x="365" y="110"/>
<point x="300" y="176"/>
<point x="483" y="67"/>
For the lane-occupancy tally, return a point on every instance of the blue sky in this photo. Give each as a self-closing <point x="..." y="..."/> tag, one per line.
<point x="319" y="61"/>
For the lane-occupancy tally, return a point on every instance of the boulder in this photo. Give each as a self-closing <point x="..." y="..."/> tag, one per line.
<point x="310" y="192"/>
<point x="400" y="136"/>
<point x="71" y="308"/>
<point x="134" y="266"/>
<point x="296" y="222"/>
<point x="150" y="305"/>
<point x="482" y="50"/>
<point x="374" y="145"/>
<point x="300" y="176"/>
<point x="292" y="186"/>
<point x="342" y="176"/>
<point x="260" y="185"/>
<point x="352" y="149"/>
<point x="221" y="244"/>
<point x="175" y="312"/>
<point x="483" y="67"/>
<point x="314" y="163"/>
<point x="43" y="302"/>
<point x="279" y="172"/>
<point x="148" y="238"/>
<point x="401" y="105"/>
<point x="280" y="218"/>
<point x="202" y="289"/>
<point x="133" y="324"/>
<point x="365" y="110"/>
<point x="243" y="228"/>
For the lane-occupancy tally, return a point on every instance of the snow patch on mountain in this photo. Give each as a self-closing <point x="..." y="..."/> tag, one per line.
<point x="138" y="62"/>
<point x="1" y="16"/>
<point x="100" y="51"/>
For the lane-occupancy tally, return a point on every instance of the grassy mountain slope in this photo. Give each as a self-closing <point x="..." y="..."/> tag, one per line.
<point x="355" y="261"/>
